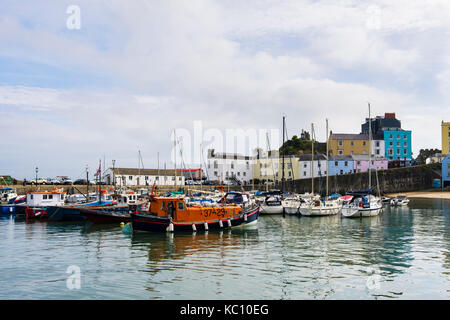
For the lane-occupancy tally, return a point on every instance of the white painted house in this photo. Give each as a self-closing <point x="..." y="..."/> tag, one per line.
<point x="229" y="166"/>
<point x="127" y="177"/>
<point x="319" y="165"/>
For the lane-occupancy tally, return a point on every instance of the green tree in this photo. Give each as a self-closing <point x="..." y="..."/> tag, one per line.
<point x="426" y="153"/>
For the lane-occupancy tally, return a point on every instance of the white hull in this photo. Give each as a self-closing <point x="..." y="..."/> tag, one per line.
<point x="291" y="210"/>
<point x="356" y="212"/>
<point x="320" y="211"/>
<point x="271" y="209"/>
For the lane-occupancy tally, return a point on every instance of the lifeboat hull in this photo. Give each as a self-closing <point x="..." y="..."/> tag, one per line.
<point x="146" y="222"/>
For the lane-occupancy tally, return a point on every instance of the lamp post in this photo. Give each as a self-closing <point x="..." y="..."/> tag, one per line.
<point x="36" y="181"/>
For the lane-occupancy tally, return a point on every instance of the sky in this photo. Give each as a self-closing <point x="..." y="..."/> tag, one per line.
<point x="86" y="80"/>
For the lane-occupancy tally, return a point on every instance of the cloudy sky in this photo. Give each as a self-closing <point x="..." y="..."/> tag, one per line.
<point x="136" y="70"/>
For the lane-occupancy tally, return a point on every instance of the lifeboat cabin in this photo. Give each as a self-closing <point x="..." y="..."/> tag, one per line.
<point x="37" y="202"/>
<point x="172" y="214"/>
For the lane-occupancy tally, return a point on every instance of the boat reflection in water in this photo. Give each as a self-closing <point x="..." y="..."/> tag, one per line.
<point x="187" y="257"/>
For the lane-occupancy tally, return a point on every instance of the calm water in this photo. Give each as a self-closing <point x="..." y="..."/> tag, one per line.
<point x="402" y="254"/>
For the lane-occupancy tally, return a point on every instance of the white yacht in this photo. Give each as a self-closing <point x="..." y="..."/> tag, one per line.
<point x="400" y="201"/>
<point x="362" y="204"/>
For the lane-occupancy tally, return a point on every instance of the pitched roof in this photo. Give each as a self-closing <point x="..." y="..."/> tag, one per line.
<point x="350" y="136"/>
<point x="308" y="157"/>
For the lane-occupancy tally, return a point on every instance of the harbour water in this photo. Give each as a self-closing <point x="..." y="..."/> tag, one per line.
<point x="401" y="254"/>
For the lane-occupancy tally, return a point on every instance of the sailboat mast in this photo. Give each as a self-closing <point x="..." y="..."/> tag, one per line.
<point x="266" y="164"/>
<point x="326" y="191"/>
<point x="370" y="150"/>
<point x="312" y="158"/>
<point x="175" y="156"/>
<point x="282" y="167"/>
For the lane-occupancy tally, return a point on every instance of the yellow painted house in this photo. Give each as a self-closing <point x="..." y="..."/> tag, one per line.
<point x="445" y="137"/>
<point x="342" y="144"/>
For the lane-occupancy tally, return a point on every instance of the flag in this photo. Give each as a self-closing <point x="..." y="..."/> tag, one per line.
<point x="98" y="172"/>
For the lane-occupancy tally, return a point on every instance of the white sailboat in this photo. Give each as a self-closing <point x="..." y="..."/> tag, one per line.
<point x="317" y="206"/>
<point x="364" y="203"/>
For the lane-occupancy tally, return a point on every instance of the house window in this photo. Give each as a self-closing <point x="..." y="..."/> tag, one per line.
<point x="405" y="137"/>
<point x="335" y="163"/>
<point x="215" y="165"/>
<point x="346" y="163"/>
<point x="232" y="165"/>
<point x="405" y="144"/>
<point x="239" y="174"/>
<point x="390" y="136"/>
<point x="130" y="178"/>
<point x="378" y="151"/>
<point x="341" y="172"/>
<point x="377" y="143"/>
<point x="364" y="143"/>
<point x="352" y="143"/>
<point x="146" y="177"/>
<point x="157" y="178"/>
<point x="398" y="151"/>
<point x="340" y="152"/>
<point x="405" y="152"/>
<point x="305" y="165"/>
<point x="244" y="173"/>
<point x="248" y="165"/>
<point x="209" y="165"/>
<point x="398" y="136"/>
<point x="173" y="178"/>
<point x="358" y="162"/>
<point x="289" y="166"/>
<point x="290" y="174"/>
<point x="340" y="143"/>
<point x="304" y="173"/>
<point x="215" y="173"/>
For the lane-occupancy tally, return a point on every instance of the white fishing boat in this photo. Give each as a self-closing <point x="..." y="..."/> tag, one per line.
<point x="7" y="195"/>
<point x="400" y="201"/>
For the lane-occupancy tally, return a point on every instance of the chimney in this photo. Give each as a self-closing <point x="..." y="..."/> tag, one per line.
<point x="389" y="115"/>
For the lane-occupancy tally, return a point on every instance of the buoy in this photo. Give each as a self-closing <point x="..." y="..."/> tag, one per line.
<point x="194" y="228"/>
<point x="122" y="224"/>
<point x="206" y="226"/>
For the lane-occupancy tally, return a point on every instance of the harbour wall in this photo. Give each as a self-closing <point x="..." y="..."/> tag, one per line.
<point x="394" y="180"/>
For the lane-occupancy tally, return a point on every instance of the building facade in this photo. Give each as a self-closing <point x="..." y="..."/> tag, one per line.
<point x="342" y="144"/>
<point x="229" y="166"/>
<point x="340" y="165"/>
<point x="129" y="177"/>
<point x="445" y="127"/>
<point x="361" y="163"/>
<point x="319" y="166"/>
<point x="398" y="144"/>
<point x="446" y="171"/>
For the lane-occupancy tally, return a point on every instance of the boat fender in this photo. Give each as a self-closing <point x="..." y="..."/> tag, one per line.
<point x="194" y="228"/>
<point x="220" y="224"/>
<point x="245" y="217"/>
<point x="229" y="222"/>
<point x="206" y="226"/>
<point x="170" y="227"/>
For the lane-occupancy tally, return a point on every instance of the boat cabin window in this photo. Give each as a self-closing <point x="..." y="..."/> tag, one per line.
<point x="180" y="205"/>
<point x="163" y="206"/>
<point x="50" y="196"/>
<point x="44" y="197"/>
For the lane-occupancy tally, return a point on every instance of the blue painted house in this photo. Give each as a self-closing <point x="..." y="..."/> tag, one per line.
<point x="398" y="144"/>
<point x="446" y="171"/>
<point x="340" y="165"/>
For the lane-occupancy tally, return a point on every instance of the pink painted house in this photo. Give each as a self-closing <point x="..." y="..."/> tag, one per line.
<point x="361" y="163"/>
